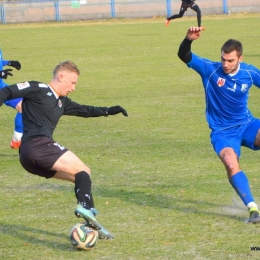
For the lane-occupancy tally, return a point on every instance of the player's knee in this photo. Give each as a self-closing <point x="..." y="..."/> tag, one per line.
<point x="82" y="176"/>
<point x="228" y="160"/>
<point x="230" y="168"/>
<point x="87" y="169"/>
<point x="231" y="164"/>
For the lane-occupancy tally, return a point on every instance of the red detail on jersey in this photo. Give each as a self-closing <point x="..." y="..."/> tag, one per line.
<point x="221" y="82"/>
<point x="23" y="85"/>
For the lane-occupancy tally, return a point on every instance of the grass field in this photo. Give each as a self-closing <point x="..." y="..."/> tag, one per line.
<point x="158" y="185"/>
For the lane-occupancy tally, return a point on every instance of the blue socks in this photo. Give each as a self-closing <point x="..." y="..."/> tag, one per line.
<point x="240" y="183"/>
<point x="18" y="123"/>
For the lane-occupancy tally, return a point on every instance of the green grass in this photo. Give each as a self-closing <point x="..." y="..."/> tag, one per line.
<point x="158" y="185"/>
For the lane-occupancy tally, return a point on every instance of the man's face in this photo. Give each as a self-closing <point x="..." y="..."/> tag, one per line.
<point x="68" y="81"/>
<point x="230" y="62"/>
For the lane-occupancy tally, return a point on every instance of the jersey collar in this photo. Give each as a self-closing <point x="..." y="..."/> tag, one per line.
<point x="54" y="92"/>
<point x="233" y="74"/>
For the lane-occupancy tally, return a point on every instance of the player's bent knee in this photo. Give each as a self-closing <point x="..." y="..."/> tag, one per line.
<point x="82" y="177"/>
<point x="88" y="170"/>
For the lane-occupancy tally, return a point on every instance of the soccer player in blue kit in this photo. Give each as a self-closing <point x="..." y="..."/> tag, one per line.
<point x="15" y="103"/>
<point x="226" y="85"/>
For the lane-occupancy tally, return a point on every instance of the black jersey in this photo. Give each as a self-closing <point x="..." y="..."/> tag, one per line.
<point x="42" y="107"/>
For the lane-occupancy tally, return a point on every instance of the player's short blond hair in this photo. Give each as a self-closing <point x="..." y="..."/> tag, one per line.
<point x="66" y="65"/>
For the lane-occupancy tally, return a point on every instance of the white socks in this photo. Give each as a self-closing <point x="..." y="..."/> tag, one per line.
<point x="252" y="205"/>
<point x="17" y="136"/>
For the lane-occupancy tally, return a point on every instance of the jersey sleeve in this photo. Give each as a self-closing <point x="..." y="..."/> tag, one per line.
<point x="74" y="109"/>
<point x="184" y="51"/>
<point x="255" y="74"/>
<point x="5" y="62"/>
<point x="200" y="65"/>
<point x="19" y="90"/>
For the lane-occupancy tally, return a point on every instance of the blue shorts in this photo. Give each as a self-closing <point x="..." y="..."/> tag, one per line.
<point x="235" y="137"/>
<point x="11" y="103"/>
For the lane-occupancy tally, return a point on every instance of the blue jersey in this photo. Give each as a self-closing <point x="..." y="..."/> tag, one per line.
<point x="2" y="64"/>
<point x="226" y="95"/>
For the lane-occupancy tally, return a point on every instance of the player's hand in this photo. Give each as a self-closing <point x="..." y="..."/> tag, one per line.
<point x="15" y="63"/>
<point x="194" y="32"/>
<point x="116" y="110"/>
<point x="5" y="73"/>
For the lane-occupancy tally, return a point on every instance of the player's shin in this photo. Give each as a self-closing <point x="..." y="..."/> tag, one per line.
<point x="85" y="201"/>
<point x="83" y="189"/>
<point x="240" y="183"/>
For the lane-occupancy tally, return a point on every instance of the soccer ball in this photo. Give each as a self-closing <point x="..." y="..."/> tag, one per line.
<point x="83" y="237"/>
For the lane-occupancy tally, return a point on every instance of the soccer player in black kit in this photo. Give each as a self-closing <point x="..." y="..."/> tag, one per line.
<point x="185" y="4"/>
<point x="43" y="105"/>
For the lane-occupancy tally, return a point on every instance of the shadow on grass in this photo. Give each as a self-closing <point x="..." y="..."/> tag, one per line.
<point x="9" y="155"/>
<point x="31" y="236"/>
<point x="190" y="206"/>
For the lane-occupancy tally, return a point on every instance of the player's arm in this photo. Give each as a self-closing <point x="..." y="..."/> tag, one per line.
<point x="74" y="109"/>
<point x="19" y="90"/>
<point x="5" y="94"/>
<point x="184" y="52"/>
<point x="13" y="63"/>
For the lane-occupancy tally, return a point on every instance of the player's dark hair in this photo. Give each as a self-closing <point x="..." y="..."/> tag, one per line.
<point x="232" y="45"/>
<point x="66" y="65"/>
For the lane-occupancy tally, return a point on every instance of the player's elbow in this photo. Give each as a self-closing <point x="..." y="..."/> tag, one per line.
<point x="185" y="57"/>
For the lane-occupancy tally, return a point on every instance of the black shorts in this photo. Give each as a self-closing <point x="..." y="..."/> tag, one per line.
<point x="185" y="6"/>
<point x="38" y="155"/>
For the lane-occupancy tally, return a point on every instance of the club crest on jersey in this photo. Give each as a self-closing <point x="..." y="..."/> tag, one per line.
<point x="23" y="85"/>
<point x="59" y="103"/>
<point x="244" y="88"/>
<point x="221" y="82"/>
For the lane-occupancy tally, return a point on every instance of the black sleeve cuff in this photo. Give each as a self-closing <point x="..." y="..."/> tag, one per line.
<point x="184" y="52"/>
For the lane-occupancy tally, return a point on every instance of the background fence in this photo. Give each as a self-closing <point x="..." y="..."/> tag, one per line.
<point x="50" y="10"/>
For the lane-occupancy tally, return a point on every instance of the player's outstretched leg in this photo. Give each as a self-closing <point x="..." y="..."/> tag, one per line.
<point x="175" y="16"/>
<point x="198" y="11"/>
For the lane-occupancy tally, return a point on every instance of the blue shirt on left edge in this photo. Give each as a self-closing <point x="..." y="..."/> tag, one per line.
<point x="2" y="64"/>
<point x="226" y="95"/>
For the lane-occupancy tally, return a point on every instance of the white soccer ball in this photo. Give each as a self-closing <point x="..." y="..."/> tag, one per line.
<point x="83" y="236"/>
